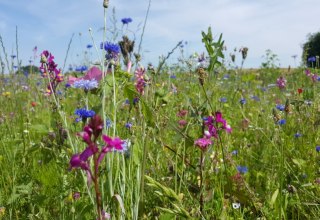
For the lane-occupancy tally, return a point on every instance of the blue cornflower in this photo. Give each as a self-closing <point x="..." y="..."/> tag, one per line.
<point x="243" y="101"/>
<point x="234" y="152"/>
<point x="128" y="125"/>
<point x="86" y="84"/>
<point x="255" y="98"/>
<point x="282" y="122"/>
<point x="297" y="135"/>
<point x="226" y="76"/>
<point x="126" y="20"/>
<point x="280" y="107"/>
<point x="113" y="50"/>
<point x="89" y="46"/>
<point x="135" y="100"/>
<point x="242" y="169"/>
<point x="13" y="56"/>
<point x="108" y="123"/>
<point x="223" y="99"/>
<point x="81" y="68"/>
<point x="84" y="113"/>
<point x="67" y="85"/>
<point x="312" y="59"/>
<point x="318" y="149"/>
<point x="173" y="76"/>
<point x="127" y="102"/>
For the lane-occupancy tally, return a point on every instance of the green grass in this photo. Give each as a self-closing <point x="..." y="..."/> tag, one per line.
<point x="159" y="176"/>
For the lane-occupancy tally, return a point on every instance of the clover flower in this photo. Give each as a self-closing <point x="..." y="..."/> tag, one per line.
<point x="126" y="20"/>
<point x="86" y="84"/>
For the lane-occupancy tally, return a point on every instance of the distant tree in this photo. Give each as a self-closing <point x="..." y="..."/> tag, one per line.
<point x="311" y="50"/>
<point x="29" y="69"/>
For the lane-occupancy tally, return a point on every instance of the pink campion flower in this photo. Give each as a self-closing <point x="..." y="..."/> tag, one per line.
<point x="281" y="82"/>
<point x="203" y="143"/>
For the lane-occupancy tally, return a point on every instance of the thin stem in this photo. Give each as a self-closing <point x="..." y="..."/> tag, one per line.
<point x="144" y="26"/>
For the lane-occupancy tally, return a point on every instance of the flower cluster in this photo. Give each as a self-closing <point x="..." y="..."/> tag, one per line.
<point x="49" y="69"/>
<point x="86" y="85"/>
<point x="313" y="76"/>
<point x="281" y="82"/>
<point x="90" y="135"/>
<point x="213" y="124"/>
<point x="140" y="82"/>
<point x="112" y="50"/>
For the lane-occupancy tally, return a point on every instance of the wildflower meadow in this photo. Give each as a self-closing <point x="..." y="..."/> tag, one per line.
<point x="117" y="138"/>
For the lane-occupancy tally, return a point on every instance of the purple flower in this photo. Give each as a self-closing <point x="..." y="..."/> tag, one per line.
<point x="318" y="149"/>
<point x="297" y="135"/>
<point x="86" y="84"/>
<point x="312" y="59"/>
<point x="282" y="122"/>
<point x="242" y="169"/>
<point x="112" y="50"/>
<point x="223" y="99"/>
<point x="281" y="82"/>
<point x="243" y="101"/>
<point x="203" y="143"/>
<point x="89" y="46"/>
<point x="126" y="20"/>
<point x="280" y="107"/>
<point x="84" y="113"/>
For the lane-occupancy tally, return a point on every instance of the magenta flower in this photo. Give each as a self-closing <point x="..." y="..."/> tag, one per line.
<point x="203" y="143"/>
<point x="140" y="82"/>
<point x="281" y="82"/>
<point x="113" y="142"/>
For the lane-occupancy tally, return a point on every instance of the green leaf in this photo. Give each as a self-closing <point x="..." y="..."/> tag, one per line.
<point x="274" y="197"/>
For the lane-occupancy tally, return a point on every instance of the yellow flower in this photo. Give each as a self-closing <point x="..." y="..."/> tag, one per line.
<point x="2" y="212"/>
<point x="6" y="94"/>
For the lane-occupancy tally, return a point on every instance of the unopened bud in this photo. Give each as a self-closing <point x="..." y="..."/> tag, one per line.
<point x="105" y="3"/>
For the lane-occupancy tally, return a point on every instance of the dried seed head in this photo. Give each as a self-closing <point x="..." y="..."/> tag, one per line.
<point x="105" y="3"/>
<point x="202" y="74"/>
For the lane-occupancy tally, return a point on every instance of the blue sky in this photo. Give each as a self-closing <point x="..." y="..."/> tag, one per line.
<point x="281" y="26"/>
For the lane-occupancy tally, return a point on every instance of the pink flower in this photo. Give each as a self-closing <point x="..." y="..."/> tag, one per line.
<point x="281" y="82"/>
<point x="113" y="142"/>
<point x="203" y="143"/>
<point x="93" y="73"/>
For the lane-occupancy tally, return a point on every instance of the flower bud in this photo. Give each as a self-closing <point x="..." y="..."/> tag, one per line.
<point x="105" y="3"/>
